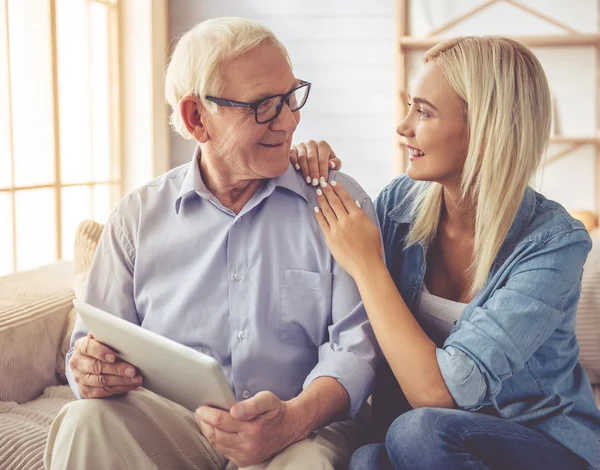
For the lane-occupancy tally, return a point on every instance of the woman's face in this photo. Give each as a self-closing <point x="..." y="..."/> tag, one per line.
<point x="435" y="129"/>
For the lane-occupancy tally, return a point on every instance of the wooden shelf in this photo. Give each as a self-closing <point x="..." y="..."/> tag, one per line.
<point x="564" y="40"/>
<point x="553" y="140"/>
<point x="574" y="140"/>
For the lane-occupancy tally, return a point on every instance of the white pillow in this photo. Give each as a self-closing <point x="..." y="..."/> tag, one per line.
<point x="588" y="314"/>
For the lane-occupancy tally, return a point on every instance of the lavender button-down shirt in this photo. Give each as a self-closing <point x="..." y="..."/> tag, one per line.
<point x="259" y="291"/>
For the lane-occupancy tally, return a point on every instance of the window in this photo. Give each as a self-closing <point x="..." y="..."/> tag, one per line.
<point x="59" y="125"/>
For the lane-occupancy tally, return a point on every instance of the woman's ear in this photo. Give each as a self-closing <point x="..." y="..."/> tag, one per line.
<point x="192" y="113"/>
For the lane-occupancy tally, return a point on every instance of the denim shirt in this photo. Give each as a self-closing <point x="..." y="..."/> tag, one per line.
<point x="513" y="352"/>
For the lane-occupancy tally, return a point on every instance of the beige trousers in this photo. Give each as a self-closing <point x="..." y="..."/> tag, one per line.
<point x="145" y="431"/>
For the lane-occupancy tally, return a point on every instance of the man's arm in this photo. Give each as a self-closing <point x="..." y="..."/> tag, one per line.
<point x="256" y="429"/>
<point x="351" y="355"/>
<point x="109" y="286"/>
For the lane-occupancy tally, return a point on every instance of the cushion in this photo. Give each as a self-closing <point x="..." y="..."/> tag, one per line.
<point x="87" y="237"/>
<point x="24" y="428"/>
<point x="588" y="314"/>
<point x="34" y="308"/>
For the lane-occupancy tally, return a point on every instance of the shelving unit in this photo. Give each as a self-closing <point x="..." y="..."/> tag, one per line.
<point x="571" y="38"/>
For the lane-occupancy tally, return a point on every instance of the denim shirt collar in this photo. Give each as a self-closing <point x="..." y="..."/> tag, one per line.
<point x="403" y="214"/>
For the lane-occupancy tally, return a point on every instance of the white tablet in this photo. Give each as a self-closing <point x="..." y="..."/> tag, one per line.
<point x="168" y="368"/>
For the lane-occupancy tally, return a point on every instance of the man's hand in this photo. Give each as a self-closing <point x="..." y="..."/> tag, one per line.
<point x="252" y="431"/>
<point x="97" y="371"/>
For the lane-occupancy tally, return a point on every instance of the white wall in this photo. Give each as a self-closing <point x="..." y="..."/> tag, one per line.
<point x="571" y="73"/>
<point x="345" y="48"/>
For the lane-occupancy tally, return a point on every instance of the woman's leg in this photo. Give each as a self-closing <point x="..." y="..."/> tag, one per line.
<point x="372" y="457"/>
<point x="434" y="438"/>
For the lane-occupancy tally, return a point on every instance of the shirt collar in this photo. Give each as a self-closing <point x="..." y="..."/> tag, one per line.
<point x="403" y="214"/>
<point x="192" y="183"/>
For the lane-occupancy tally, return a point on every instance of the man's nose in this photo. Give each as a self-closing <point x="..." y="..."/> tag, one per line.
<point x="286" y="121"/>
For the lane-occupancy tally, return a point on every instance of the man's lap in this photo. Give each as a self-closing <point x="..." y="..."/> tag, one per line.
<point x="160" y="433"/>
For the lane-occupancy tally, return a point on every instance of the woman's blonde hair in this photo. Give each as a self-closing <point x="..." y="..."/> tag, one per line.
<point x="194" y="68"/>
<point x="508" y="113"/>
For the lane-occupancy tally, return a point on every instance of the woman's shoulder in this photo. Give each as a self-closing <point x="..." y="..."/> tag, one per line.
<point x="397" y="196"/>
<point x="550" y="220"/>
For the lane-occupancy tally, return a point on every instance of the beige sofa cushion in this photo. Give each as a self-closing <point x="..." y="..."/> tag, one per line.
<point x="34" y="308"/>
<point x="588" y="315"/>
<point x="24" y="428"/>
<point x="86" y="241"/>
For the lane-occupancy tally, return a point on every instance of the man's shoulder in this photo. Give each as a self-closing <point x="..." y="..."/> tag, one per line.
<point x="161" y="187"/>
<point x="349" y="184"/>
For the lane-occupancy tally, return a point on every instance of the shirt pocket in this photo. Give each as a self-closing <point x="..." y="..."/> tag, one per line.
<point x="305" y="307"/>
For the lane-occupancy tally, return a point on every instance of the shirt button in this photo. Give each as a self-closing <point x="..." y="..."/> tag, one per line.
<point x="246" y="394"/>
<point x="241" y="335"/>
<point x="237" y="276"/>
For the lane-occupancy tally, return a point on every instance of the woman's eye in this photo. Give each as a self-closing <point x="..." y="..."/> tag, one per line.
<point x="422" y="113"/>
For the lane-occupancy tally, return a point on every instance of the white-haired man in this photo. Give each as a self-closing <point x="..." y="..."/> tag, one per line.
<point x="224" y="255"/>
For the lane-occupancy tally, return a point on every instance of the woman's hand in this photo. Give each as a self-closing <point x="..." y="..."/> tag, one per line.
<point x="314" y="160"/>
<point x="353" y="239"/>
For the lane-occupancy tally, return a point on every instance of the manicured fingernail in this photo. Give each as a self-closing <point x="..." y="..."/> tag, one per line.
<point x="319" y="192"/>
<point x="110" y="357"/>
<point x="323" y="182"/>
<point x="332" y="183"/>
<point x="315" y="181"/>
<point x="130" y="372"/>
<point x="308" y="179"/>
<point x="332" y="165"/>
<point x="137" y="380"/>
<point x="358" y="204"/>
<point x="297" y="166"/>
<point x="317" y="210"/>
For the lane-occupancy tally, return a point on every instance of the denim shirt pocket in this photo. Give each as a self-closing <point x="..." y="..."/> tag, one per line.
<point x="305" y="307"/>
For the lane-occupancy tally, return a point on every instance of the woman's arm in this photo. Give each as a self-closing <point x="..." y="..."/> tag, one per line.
<point x="408" y="350"/>
<point x="538" y="293"/>
<point x="355" y="243"/>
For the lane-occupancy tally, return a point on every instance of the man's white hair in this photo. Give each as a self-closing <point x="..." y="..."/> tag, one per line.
<point x="195" y="64"/>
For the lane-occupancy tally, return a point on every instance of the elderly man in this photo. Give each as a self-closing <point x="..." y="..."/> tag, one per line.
<point x="224" y="255"/>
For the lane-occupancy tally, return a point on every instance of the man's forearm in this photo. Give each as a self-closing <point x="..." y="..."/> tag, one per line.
<point x="318" y="405"/>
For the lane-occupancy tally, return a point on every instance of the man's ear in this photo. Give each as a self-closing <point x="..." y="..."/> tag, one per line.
<point x="192" y="113"/>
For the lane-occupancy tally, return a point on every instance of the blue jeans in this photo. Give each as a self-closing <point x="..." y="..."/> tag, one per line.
<point x="438" y="438"/>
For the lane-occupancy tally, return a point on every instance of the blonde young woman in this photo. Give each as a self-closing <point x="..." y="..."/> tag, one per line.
<point x="475" y="311"/>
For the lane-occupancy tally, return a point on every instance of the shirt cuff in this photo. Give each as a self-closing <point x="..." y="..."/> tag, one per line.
<point x="462" y="377"/>
<point x="69" y="374"/>
<point x="351" y="371"/>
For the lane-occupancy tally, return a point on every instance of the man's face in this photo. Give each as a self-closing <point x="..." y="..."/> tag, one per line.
<point x="251" y="150"/>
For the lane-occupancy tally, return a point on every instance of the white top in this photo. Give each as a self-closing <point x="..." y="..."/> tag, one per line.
<point x="437" y="316"/>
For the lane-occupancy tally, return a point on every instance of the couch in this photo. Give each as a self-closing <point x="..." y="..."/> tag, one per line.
<point x="36" y="319"/>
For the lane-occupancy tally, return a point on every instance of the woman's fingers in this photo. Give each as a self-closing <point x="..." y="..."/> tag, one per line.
<point x="326" y="209"/>
<point x="303" y="161"/>
<point x="321" y="220"/>
<point x="334" y="162"/>
<point x="315" y="160"/>
<point x="312" y="151"/>
<point x="324" y="154"/>
<point x="294" y="158"/>
<point x="334" y="201"/>
<point x="352" y="206"/>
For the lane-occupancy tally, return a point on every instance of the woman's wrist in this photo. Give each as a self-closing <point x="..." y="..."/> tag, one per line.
<point x="368" y="269"/>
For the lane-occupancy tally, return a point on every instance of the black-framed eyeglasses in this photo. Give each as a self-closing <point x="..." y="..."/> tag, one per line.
<point x="267" y="109"/>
